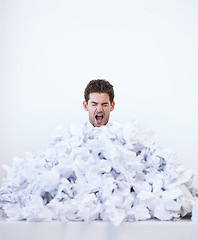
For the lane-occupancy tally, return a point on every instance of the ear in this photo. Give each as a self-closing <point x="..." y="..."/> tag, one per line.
<point x="85" y="105"/>
<point x="112" y="106"/>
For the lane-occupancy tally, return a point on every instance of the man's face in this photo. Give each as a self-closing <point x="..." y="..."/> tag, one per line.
<point x="99" y="108"/>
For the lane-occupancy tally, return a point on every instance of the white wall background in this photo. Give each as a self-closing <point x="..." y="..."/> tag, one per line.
<point x="50" y="50"/>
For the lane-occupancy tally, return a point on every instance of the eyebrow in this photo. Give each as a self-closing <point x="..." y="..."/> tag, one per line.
<point x="101" y="103"/>
<point x="94" y="102"/>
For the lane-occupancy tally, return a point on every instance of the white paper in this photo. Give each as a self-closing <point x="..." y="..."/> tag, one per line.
<point x="113" y="173"/>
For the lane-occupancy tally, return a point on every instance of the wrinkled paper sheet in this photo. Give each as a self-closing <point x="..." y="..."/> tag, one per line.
<point x="113" y="173"/>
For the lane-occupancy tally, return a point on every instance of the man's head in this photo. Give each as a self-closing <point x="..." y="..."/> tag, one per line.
<point x="99" y="96"/>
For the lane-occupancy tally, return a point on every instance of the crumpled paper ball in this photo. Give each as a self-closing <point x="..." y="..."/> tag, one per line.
<point x="113" y="173"/>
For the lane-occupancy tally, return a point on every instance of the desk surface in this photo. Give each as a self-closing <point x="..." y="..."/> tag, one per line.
<point x="183" y="229"/>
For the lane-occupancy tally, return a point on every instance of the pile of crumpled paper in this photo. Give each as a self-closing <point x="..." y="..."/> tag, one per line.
<point x="113" y="173"/>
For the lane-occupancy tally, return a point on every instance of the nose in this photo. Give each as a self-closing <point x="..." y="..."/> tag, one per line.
<point x="99" y="108"/>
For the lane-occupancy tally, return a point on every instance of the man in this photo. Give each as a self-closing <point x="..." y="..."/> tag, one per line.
<point x="99" y="96"/>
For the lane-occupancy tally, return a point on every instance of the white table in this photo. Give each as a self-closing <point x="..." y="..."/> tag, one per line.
<point x="183" y="229"/>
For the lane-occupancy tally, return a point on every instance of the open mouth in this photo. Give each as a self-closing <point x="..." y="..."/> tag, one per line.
<point x="99" y="118"/>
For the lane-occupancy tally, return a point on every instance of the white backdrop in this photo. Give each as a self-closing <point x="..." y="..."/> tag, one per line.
<point x="50" y="50"/>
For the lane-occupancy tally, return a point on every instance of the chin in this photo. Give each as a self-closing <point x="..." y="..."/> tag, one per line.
<point x="99" y="125"/>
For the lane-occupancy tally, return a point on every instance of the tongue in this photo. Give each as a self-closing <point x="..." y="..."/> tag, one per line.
<point x="99" y="119"/>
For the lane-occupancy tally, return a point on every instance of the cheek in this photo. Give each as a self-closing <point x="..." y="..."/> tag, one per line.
<point x="107" y="112"/>
<point x="91" y="110"/>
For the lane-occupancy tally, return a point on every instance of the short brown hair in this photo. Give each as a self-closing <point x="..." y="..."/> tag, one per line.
<point x="100" y="86"/>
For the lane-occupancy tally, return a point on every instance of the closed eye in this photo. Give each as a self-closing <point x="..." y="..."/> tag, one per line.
<point x="93" y="103"/>
<point x="105" y="104"/>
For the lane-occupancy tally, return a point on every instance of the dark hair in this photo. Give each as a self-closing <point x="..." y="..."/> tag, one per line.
<point x="100" y="86"/>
